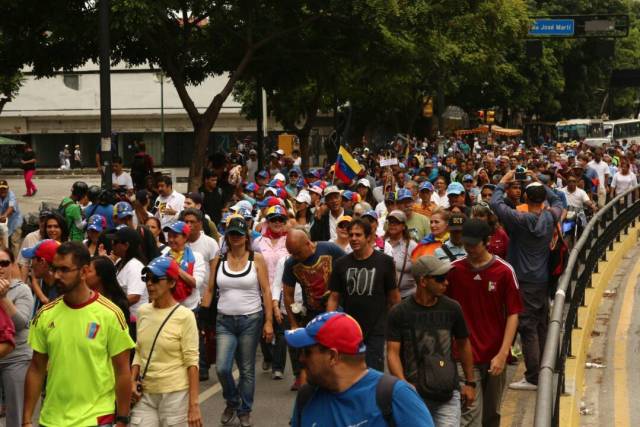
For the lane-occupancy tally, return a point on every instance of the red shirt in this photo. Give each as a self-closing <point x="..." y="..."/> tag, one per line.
<point x="487" y="296"/>
<point x="499" y="243"/>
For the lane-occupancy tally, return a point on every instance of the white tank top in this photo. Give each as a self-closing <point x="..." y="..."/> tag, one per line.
<point x="239" y="290"/>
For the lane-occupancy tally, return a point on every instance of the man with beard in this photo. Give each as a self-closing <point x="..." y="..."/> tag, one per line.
<point x="73" y="339"/>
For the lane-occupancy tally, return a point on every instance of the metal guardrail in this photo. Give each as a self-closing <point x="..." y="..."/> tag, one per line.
<point x="598" y="236"/>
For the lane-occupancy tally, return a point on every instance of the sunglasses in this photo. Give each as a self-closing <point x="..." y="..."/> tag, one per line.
<point x="278" y="219"/>
<point x="152" y="278"/>
<point x="344" y="225"/>
<point x="440" y="279"/>
<point x="5" y="263"/>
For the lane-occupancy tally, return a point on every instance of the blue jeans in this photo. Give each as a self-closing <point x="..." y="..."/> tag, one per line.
<point x="237" y="339"/>
<point x="446" y="414"/>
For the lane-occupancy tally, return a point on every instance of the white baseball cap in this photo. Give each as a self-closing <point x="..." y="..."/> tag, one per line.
<point x="280" y="177"/>
<point x="365" y="182"/>
<point x="303" y="197"/>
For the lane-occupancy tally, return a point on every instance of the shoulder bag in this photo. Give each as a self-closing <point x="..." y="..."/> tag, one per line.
<point x="140" y="378"/>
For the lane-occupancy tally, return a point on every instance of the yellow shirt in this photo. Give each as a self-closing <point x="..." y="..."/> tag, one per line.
<point x="176" y="348"/>
<point x="80" y="343"/>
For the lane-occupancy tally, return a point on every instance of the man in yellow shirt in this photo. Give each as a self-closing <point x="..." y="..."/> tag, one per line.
<point x="81" y="342"/>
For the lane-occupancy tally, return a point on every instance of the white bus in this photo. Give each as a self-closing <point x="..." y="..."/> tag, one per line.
<point x="578" y="129"/>
<point x="618" y="130"/>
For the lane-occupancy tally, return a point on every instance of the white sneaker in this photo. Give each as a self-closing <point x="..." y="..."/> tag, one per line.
<point x="523" y="384"/>
<point x="277" y="375"/>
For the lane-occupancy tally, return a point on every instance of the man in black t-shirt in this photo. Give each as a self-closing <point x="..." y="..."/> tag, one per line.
<point x="427" y="323"/>
<point x="365" y="283"/>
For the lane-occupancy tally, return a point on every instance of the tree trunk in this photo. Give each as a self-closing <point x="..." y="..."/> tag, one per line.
<point x="3" y="102"/>
<point x="201" y="141"/>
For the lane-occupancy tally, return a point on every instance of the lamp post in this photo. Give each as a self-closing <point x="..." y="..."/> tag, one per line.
<point x="160" y="79"/>
<point x="105" y="93"/>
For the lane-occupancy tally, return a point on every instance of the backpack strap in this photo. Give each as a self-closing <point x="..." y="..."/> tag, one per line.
<point x="384" y="397"/>
<point x="447" y="251"/>
<point x="305" y="394"/>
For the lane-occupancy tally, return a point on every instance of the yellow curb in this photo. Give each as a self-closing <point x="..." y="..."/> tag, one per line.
<point x="581" y="338"/>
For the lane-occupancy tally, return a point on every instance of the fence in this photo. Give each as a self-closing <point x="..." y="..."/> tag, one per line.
<point x="599" y="235"/>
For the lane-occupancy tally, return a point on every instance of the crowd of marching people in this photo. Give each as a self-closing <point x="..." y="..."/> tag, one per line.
<point x="426" y="260"/>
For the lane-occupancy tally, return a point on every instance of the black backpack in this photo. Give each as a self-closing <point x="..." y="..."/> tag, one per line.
<point x="384" y="398"/>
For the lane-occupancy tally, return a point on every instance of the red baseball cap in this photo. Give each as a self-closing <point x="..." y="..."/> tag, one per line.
<point x="45" y="249"/>
<point x="333" y="330"/>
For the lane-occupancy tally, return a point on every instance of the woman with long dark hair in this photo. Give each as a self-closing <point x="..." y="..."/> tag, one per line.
<point x="95" y="227"/>
<point x="244" y="314"/>
<point x="55" y="227"/>
<point x="101" y="277"/>
<point x="154" y="226"/>
<point x="127" y="245"/>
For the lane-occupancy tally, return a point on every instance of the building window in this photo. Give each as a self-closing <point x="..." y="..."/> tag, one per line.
<point x="72" y="81"/>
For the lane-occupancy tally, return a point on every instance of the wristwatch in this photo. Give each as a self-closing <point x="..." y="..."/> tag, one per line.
<point x="123" y="419"/>
<point x="470" y="383"/>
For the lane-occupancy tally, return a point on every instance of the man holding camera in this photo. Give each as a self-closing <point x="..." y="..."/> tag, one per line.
<point x="530" y="235"/>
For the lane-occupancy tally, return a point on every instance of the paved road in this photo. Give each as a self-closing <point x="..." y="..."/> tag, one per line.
<point x="272" y="406"/>
<point x="610" y="395"/>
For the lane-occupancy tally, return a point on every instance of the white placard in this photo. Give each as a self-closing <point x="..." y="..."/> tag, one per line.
<point x="388" y="162"/>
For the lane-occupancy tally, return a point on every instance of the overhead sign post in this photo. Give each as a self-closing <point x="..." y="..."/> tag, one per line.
<point x="552" y="28"/>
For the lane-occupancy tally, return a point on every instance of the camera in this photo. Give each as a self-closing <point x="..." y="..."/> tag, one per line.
<point x="521" y="173"/>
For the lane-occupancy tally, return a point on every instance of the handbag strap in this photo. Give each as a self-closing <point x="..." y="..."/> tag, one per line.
<point x="153" y="345"/>
<point x="404" y="262"/>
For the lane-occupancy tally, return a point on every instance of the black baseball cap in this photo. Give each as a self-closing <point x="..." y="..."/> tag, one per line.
<point x="475" y="231"/>
<point x="456" y="221"/>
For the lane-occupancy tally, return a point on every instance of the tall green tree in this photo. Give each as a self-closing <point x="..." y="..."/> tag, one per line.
<point x="45" y="36"/>
<point x="194" y="39"/>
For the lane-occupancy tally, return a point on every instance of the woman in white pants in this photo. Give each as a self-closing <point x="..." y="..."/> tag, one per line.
<point x="165" y="378"/>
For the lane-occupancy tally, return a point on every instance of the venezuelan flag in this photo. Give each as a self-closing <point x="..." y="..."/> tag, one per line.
<point x="346" y="166"/>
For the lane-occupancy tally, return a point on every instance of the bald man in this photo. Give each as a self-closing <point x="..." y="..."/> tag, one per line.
<point x="310" y="265"/>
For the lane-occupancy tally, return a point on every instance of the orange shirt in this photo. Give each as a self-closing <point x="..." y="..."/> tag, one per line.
<point x="426" y="211"/>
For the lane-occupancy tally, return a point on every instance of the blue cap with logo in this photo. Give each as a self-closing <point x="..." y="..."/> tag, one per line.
<point x="404" y="194"/>
<point x="455" y="189"/>
<point x="123" y="210"/>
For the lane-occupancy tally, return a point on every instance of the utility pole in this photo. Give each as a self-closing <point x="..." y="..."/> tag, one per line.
<point x="260" y="127"/>
<point x="105" y="93"/>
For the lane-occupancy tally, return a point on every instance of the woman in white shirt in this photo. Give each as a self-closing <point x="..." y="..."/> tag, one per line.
<point x="127" y="246"/>
<point x="244" y="314"/>
<point x="342" y="234"/>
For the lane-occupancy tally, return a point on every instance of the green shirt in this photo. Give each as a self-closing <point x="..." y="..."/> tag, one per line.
<point x="73" y="214"/>
<point x="418" y="226"/>
<point x="80" y="343"/>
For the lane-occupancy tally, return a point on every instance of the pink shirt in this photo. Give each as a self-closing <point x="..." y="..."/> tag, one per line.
<point x="272" y="251"/>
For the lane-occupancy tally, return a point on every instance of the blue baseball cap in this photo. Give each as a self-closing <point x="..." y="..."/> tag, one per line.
<point x="404" y="194"/>
<point x="123" y="210"/>
<point x="45" y="249"/>
<point x="455" y="189"/>
<point x="178" y="227"/>
<point x="427" y="186"/>
<point x="97" y="223"/>
<point x="467" y="178"/>
<point x="251" y="187"/>
<point x="371" y="213"/>
<point x="263" y="174"/>
<point x="163" y="266"/>
<point x="333" y="330"/>
<point x="245" y="213"/>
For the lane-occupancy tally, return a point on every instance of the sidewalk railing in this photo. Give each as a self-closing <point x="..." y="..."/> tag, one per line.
<point x="599" y="235"/>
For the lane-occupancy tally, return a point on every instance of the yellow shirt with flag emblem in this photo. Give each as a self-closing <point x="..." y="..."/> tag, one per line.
<point x="79" y="342"/>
